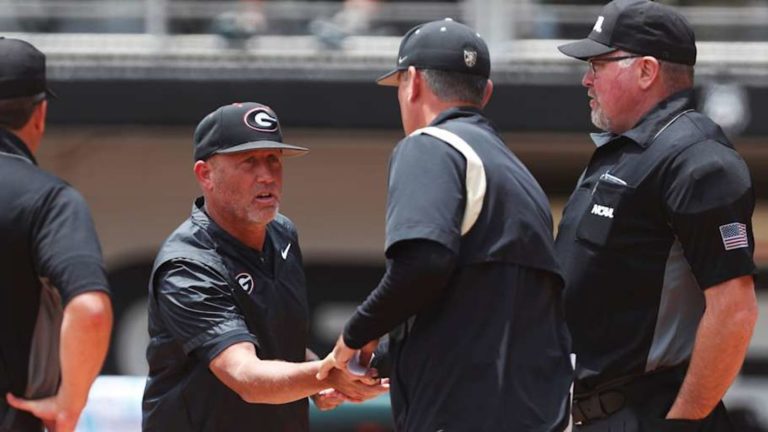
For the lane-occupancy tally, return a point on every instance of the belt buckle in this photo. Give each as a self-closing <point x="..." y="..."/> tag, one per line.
<point x="588" y="409"/>
<point x="597" y="406"/>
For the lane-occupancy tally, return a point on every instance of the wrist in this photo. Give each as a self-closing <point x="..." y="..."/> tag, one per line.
<point x="349" y="341"/>
<point x="678" y="412"/>
<point x="71" y="401"/>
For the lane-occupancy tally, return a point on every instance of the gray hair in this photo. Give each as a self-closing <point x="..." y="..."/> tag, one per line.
<point x="456" y="86"/>
<point x="676" y="76"/>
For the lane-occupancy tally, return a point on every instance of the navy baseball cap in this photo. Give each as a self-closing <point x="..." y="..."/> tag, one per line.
<point x="241" y="127"/>
<point x="22" y="70"/>
<point x="639" y="26"/>
<point x="441" y="45"/>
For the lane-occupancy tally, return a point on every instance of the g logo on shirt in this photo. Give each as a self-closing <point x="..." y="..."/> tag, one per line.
<point x="261" y="119"/>
<point x="245" y="281"/>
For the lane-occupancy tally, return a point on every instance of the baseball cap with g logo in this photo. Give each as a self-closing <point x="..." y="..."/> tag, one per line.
<point x="241" y="127"/>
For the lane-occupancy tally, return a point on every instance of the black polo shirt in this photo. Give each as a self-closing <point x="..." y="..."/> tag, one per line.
<point x="209" y="291"/>
<point x="661" y="213"/>
<point x="49" y="254"/>
<point x="491" y="354"/>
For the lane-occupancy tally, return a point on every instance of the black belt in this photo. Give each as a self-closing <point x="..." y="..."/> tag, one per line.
<point x="611" y="397"/>
<point x="597" y="406"/>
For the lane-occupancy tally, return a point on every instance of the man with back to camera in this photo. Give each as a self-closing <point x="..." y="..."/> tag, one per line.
<point x="656" y="240"/>
<point x="228" y="313"/>
<point x="56" y="312"/>
<point x="471" y="278"/>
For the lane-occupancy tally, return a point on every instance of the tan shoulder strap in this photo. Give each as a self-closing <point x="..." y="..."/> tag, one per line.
<point x="475" y="182"/>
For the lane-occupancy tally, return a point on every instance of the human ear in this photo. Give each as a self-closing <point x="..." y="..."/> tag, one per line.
<point x="487" y="94"/>
<point x="204" y="174"/>
<point x="649" y="72"/>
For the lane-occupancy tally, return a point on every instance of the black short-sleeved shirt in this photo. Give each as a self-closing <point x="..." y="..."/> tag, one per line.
<point x="209" y="291"/>
<point x="661" y="213"/>
<point x="492" y="353"/>
<point x="50" y="253"/>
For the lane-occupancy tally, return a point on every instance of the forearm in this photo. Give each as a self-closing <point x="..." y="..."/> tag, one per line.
<point x="721" y="344"/>
<point x="85" y="332"/>
<point x="278" y="382"/>
<point x="417" y="275"/>
<point x="265" y="381"/>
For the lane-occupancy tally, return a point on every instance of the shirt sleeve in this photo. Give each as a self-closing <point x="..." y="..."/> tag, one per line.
<point x="416" y="276"/>
<point x="426" y="192"/>
<point x="710" y="201"/>
<point x="67" y="250"/>
<point x="199" y="309"/>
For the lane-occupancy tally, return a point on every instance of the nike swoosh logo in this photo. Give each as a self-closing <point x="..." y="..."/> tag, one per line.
<point x="284" y="252"/>
<point x="401" y="59"/>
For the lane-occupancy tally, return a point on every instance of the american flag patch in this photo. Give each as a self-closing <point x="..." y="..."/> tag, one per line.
<point x="734" y="235"/>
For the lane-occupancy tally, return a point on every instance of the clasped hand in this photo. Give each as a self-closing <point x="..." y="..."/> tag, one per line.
<point x="345" y="385"/>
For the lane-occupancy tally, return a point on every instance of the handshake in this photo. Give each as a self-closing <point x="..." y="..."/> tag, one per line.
<point x="349" y="375"/>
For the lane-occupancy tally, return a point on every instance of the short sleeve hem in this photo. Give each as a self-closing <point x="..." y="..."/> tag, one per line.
<point x="746" y="269"/>
<point x="211" y="349"/>
<point x="87" y="265"/>
<point x="425" y="232"/>
<point x="213" y="334"/>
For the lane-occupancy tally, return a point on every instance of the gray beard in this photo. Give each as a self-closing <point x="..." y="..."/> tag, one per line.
<point x="600" y="120"/>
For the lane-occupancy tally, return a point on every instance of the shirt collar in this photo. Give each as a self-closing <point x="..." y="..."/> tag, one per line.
<point x="652" y="122"/>
<point x="12" y="144"/>
<point x="602" y="138"/>
<point x="201" y="218"/>
<point x="456" y="112"/>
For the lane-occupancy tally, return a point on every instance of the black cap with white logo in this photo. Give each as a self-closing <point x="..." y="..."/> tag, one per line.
<point x="641" y="27"/>
<point x="441" y="45"/>
<point x="22" y="70"/>
<point x="241" y="127"/>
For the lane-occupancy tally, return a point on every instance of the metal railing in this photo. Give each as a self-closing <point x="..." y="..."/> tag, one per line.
<point x="501" y="18"/>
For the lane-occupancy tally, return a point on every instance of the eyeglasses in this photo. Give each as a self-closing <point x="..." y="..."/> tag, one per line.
<point x="591" y="62"/>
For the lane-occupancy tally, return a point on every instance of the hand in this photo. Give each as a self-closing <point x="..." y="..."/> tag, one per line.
<point x="328" y="399"/>
<point x="338" y="358"/>
<point x="342" y="354"/>
<point x="366" y="352"/>
<point x="51" y="410"/>
<point x="355" y="388"/>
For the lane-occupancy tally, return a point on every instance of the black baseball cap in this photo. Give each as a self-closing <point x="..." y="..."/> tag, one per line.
<point x="22" y="70"/>
<point x="639" y="26"/>
<point x="441" y="45"/>
<point x="241" y="127"/>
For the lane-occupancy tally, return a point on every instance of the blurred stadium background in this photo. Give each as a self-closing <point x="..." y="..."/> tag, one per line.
<point x="135" y="76"/>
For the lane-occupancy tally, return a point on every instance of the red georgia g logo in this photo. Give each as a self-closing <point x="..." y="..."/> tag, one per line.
<point x="261" y="119"/>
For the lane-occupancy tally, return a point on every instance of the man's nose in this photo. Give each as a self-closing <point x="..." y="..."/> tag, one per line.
<point x="263" y="173"/>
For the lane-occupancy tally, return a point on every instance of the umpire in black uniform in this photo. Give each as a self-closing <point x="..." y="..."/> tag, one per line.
<point x="228" y="314"/>
<point x="55" y="312"/>
<point x="656" y="240"/>
<point x="471" y="278"/>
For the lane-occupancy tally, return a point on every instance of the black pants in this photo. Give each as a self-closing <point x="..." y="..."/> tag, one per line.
<point x="647" y="401"/>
